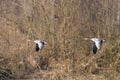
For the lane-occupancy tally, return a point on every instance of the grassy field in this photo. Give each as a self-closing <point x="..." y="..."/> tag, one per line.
<point x="63" y="24"/>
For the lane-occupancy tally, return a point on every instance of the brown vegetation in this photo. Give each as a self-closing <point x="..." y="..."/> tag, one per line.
<point x="63" y="24"/>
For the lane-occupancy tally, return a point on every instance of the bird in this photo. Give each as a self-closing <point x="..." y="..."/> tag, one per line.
<point x="39" y="44"/>
<point x="97" y="44"/>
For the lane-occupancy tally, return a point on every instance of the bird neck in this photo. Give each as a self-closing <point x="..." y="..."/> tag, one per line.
<point x="43" y="43"/>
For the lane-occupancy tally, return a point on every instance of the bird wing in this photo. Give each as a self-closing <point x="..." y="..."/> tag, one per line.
<point x="37" y="47"/>
<point x="94" y="48"/>
<point x="40" y="45"/>
<point x="98" y="44"/>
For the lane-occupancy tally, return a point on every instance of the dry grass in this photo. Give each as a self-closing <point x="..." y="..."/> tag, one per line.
<point x="63" y="24"/>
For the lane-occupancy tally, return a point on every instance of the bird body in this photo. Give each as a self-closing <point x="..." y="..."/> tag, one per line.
<point x="94" y="48"/>
<point x="97" y="43"/>
<point x="39" y="44"/>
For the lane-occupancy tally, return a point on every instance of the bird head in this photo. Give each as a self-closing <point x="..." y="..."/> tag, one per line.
<point x="44" y="42"/>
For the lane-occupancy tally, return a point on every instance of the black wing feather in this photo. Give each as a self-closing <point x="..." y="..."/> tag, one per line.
<point x="94" y="48"/>
<point x="37" y="47"/>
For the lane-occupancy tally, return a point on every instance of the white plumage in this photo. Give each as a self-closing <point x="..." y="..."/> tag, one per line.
<point x="39" y="44"/>
<point x="97" y="43"/>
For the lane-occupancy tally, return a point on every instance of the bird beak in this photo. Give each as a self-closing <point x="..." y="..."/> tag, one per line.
<point x="45" y="42"/>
